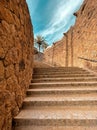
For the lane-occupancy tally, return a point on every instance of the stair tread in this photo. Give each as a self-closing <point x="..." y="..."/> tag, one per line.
<point x="63" y="83"/>
<point x="56" y="128"/>
<point x="51" y="83"/>
<point x="65" y="78"/>
<point x="65" y="89"/>
<point x="65" y="75"/>
<point x="58" y="68"/>
<point x="91" y="97"/>
<point x="57" y="114"/>
<point x="62" y="74"/>
<point x="58" y="71"/>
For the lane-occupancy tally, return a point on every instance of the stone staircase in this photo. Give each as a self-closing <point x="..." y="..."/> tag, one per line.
<point x="59" y="99"/>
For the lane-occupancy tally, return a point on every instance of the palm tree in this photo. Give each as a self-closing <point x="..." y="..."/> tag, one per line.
<point x="44" y="45"/>
<point x="39" y="40"/>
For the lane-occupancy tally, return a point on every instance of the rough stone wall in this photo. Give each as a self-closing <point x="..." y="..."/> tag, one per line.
<point x="39" y="57"/>
<point x="48" y="55"/>
<point x="16" y="58"/>
<point x="55" y="55"/>
<point x="60" y="54"/>
<point x="85" y="34"/>
<point x="70" y="48"/>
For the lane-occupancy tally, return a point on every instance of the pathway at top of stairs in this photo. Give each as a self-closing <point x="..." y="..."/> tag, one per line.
<point x="59" y="99"/>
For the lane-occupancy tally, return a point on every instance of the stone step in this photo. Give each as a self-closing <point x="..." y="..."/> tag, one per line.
<point x="56" y="128"/>
<point x="67" y="107"/>
<point x="60" y="100"/>
<point x="62" y="91"/>
<point x="61" y="71"/>
<point x="56" y="117"/>
<point x="66" y="79"/>
<point x="62" y="84"/>
<point x="63" y="75"/>
<point x="57" y="69"/>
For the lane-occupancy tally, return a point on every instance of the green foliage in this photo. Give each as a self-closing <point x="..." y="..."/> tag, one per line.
<point x="40" y="42"/>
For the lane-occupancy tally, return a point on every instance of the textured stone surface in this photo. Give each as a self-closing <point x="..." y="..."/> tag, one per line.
<point x="85" y="37"/>
<point x="56" y="128"/>
<point x="16" y="58"/>
<point x="61" y="52"/>
<point x="55" y="55"/>
<point x="39" y="64"/>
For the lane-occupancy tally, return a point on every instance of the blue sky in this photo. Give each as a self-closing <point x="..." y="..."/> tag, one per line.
<point x="51" y="18"/>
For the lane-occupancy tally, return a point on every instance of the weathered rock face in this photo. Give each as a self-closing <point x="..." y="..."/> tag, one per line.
<point x="60" y="54"/>
<point x="55" y="55"/>
<point x="81" y="39"/>
<point x="16" y="58"/>
<point x="85" y="37"/>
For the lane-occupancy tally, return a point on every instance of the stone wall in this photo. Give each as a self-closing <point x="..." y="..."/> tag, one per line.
<point x="48" y="55"/>
<point x="16" y="58"/>
<point x="55" y="55"/>
<point x="85" y="37"/>
<point x="81" y="40"/>
<point x="60" y="53"/>
<point x="39" y="57"/>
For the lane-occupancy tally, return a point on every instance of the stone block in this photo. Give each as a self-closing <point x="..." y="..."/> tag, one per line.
<point x="1" y="71"/>
<point x="9" y="71"/>
<point x="6" y="15"/>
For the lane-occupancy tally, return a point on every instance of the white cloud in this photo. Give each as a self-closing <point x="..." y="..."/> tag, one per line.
<point x="61" y="17"/>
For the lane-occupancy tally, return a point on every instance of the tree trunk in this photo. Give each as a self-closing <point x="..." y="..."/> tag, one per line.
<point x="39" y="47"/>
